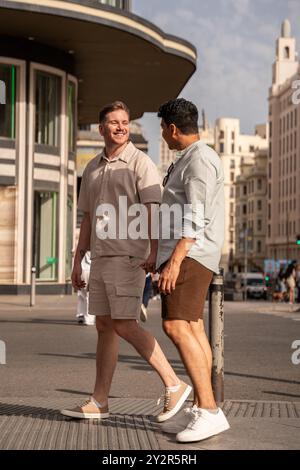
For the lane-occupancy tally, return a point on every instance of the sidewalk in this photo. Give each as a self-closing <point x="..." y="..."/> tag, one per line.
<point x="29" y="411"/>
<point x="36" y="424"/>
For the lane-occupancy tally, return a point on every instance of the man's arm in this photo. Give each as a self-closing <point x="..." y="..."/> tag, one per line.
<point x="82" y="248"/>
<point x="170" y="273"/>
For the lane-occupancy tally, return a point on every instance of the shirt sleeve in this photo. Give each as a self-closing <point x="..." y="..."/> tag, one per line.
<point x="83" y="200"/>
<point x="148" y="181"/>
<point x="199" y="185"/>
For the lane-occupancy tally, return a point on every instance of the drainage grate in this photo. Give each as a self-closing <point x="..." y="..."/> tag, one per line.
<point x="261" y="409"/>
<point x="24" y="426"/>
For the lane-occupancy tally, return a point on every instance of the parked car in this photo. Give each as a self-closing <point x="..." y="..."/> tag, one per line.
<point x="256" y="287"/>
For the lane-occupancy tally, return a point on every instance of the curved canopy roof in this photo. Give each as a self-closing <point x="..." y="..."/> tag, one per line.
<point x="117" y="55"/>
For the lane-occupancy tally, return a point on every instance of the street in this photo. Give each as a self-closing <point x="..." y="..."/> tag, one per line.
<point x="49" y="354"/>
<point x="50" y="364"/>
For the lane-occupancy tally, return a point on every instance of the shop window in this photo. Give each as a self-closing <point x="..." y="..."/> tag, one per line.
<point x="72" y="117"/>
<point x="47" y="109"/>
<point x="69" y="236"/>
<point x="8" y="101"/>
<point x="45" y="235"/>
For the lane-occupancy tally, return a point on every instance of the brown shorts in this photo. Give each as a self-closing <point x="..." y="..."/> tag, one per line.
<point x="187" y="301"/>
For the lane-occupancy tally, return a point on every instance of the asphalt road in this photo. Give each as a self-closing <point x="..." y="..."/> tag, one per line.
<point x="48" y="354"/>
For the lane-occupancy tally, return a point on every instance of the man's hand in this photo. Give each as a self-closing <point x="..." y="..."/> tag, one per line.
<point x="150" y="264"/>
<point x="168" y="277"/>
<point x="77" y="282"/>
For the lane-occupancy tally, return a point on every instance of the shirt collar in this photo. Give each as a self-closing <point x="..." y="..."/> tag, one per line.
<point x="124" y="156"/>
<point x="181" y="153"/>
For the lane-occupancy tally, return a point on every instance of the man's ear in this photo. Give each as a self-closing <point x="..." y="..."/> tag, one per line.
<point x="173" y="130"/>
<point x="101" y="129"/>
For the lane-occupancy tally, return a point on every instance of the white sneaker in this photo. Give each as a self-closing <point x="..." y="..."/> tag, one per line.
<point x="179" y="422"/>
<point x="203" y="425"/>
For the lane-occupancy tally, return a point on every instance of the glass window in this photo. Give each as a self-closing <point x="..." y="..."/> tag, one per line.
<point x="72" y="116"/>
<point x="69" y="241"/>
<point x="259" y="225"/>
<point x="47" y="109"/>
<point x="45" y="235"/>
<point x="113" y="3"/>
<point x="8" y="101"/>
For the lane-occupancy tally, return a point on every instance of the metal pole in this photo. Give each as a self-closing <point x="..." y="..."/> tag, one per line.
<point x="32" y="287"/>
<point x="246" y="264"/>
<point x="216" y="334"/>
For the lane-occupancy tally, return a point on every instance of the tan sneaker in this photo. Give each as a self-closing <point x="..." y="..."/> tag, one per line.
<point x="173" y="401"/>
<point x="88" y="410"/>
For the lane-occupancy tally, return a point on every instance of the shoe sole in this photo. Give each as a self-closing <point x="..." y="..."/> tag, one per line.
<point x="76" y="414"/>
<point x="218" y="430"/>
<point x="176" y="408"/>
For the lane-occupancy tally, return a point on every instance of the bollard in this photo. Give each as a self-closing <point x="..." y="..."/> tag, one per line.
<point x="32" y="287"/>
<point x="216" y="334"/>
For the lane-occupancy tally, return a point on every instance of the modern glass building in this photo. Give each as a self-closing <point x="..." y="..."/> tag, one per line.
<point x="60" y="61"/>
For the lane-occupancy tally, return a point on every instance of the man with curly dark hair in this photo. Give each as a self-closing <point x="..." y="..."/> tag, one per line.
<point x="187" y="260"/>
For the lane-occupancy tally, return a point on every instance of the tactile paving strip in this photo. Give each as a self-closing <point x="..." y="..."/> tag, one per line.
<point x="37" y="424"/>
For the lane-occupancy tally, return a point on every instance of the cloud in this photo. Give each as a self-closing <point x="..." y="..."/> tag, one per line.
<point x="235" y="40"/>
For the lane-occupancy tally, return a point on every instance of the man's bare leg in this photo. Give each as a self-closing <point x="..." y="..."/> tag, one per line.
<point x="198" y="330"/>
<point x="194" y="359"/>
<point x="147" y="346"/>
<point x="106" y="358"/>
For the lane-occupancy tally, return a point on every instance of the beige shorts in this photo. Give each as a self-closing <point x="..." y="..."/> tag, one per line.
<point x="116" y="287"/>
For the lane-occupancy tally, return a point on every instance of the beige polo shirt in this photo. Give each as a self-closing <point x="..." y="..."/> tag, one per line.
<point x="133" y="175"/>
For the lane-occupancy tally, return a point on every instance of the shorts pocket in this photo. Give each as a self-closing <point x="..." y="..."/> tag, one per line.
<point x="135" y="262"/>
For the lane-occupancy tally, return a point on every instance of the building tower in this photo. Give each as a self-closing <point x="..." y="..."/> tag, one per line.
<point x="283" y="164"/>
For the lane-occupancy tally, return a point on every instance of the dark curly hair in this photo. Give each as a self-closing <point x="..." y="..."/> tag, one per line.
<point x="182" y="113"/>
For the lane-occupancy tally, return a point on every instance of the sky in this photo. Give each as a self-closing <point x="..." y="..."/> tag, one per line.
<point x="235" y="41"/>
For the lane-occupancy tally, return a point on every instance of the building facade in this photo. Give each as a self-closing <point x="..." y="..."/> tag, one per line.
<point x="284" y="152"/>
<point x="251" y="207"/>
<point x="235" y="149"/>
<point x="51" y="82"/>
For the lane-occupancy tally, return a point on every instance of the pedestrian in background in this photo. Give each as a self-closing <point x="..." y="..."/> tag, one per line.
<point x="83" y="316"/>
<point x="290" y="276"/>
<point x="147" y="294"/>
